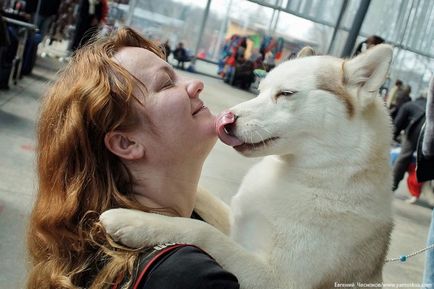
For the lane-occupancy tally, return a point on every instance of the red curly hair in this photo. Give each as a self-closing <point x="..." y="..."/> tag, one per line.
<point x="78" y="177"/>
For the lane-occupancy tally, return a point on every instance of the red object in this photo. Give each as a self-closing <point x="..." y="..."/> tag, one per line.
<point x="231" y="60"/>
<point x="413" y="185"/>
<point x="105" y="11"/>
<point x="278" y="55"/>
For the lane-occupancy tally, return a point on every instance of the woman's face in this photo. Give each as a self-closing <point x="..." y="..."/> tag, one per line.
<point x="184" y="127"/>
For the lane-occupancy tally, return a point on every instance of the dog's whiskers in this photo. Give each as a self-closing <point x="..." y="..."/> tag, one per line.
<point x="267" y="132"/>
<point x="251" y="139"/>
<point x="265" y="129"/>
<point x="262" y="139"/>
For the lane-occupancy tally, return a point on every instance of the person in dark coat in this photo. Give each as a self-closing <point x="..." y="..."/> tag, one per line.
<point x="425" y="172"/>
<point x="167" y="49"/>
<point x="410" y="118"/>
<point x="90" y="14"/>
<point x="402" y="97"/>
<point x="244" y="76"/>
<point x="4" y="35"/>
<point x="47" y="12"/>
<point x="181" y="55"/>
<point x="425" y="165"/>
<point x="8" y="49"/>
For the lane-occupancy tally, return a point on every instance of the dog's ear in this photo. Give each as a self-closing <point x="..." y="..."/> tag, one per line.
<point x="306" y="51"/>
<point x="368" y="71"/>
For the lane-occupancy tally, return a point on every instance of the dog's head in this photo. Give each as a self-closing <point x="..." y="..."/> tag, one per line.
<point x="306" y="99"/>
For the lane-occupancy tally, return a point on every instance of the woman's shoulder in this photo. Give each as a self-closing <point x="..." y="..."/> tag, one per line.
<point x="188" y="267"/>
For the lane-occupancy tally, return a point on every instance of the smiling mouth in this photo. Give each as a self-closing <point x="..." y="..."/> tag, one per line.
<point x="254" y="146"/>
<point x="199" y="110"/>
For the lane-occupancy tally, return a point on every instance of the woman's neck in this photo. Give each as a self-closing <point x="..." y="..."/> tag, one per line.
<point x="170" y="188"/>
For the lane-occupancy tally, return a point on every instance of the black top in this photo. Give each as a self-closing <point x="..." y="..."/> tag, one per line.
<point x="48" y="7"/>
<point x="188" y="268"/>
<point x="425" y="165"/>
<point x="409" y="116"/>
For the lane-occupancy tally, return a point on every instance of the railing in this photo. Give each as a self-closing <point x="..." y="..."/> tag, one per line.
<point x="23" y="33"/>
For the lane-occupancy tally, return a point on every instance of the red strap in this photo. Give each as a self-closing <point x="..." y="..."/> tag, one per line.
<point x="152" y="261"/>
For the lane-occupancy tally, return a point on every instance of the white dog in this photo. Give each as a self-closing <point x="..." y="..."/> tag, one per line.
<point x="316" y="211"/>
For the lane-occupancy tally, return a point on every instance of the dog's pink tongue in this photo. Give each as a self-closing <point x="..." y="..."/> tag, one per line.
<point x="223" y="119"/>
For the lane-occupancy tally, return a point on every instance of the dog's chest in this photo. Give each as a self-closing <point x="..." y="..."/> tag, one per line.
<point x="262" y="203"/>
<point x="265" y="183"/>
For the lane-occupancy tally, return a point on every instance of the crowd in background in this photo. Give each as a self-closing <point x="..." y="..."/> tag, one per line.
<point x="78" y="20"/>
<point x="54" y="19"/>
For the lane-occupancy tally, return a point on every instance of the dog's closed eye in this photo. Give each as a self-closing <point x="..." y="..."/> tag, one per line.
<point x="284" y="93"/>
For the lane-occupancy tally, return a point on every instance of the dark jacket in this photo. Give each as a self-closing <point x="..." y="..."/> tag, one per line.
<point x="180" y="54"/>
<point x="4" y="35"/>
<point x="185" y="267"/>
<point x="402" y="97"/>
<point x="410" y="118"/>
<point x="85" y="27"/>
<point x="188" y="268"/>
<point x="424" y="164"/>
<point x="48" y="7"/>
<point x="425" y="147"/>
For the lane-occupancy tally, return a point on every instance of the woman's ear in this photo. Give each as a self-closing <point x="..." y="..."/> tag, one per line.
<point x="123" y="146"/>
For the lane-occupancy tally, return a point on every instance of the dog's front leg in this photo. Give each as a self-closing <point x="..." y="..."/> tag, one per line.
<point x="136" y="229"/>
<point x="213" y="210"/>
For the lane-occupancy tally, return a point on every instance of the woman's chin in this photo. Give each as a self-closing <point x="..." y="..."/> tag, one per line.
<point x="208" y="144"/>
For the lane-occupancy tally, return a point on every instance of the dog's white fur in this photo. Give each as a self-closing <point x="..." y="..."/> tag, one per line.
<point x="317" y="209"/>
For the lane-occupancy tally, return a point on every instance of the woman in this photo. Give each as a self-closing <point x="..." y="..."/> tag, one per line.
<point x="119" y="128"/>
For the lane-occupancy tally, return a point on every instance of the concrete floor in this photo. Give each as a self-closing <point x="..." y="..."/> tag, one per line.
<point x="222" y="174"/>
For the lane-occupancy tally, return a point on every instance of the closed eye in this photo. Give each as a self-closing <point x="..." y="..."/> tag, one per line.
<point x="285" y="93"/>
<point x="167" y="85"/>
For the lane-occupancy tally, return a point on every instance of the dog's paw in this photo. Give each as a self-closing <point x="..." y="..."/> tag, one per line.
<point x="126" y="226"/>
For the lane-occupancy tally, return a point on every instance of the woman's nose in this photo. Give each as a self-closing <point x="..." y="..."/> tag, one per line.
<point x="194" y="87"/>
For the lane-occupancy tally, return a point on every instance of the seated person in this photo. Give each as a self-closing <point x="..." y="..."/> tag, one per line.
<point x="244" y="76"/>
<point x="181" y="55"/>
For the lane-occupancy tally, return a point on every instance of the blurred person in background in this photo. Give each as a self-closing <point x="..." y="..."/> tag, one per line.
<point x="90" y="15"/>
<point x="4" y="35"/>
<point x="402" y="97"/>
<point x="410" y="118"/>
<point x="167" y="49"/>
<point x="47" y="12"/>
<point x="391" y="97"/>
<point x="425" y="172"/>
<point x="370" y="42"/>
<point x="181" y="55"/>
